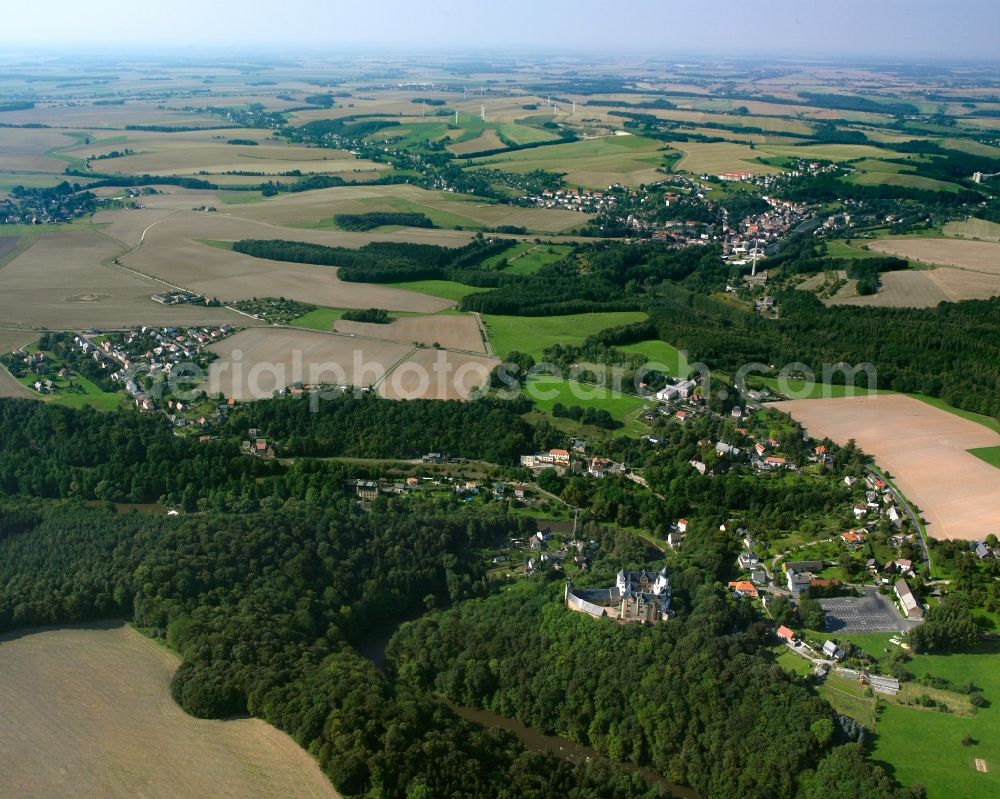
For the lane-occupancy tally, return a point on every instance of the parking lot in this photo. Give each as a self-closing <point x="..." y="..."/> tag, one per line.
<point x="872" y="613"/>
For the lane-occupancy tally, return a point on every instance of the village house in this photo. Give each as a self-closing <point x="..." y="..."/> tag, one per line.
<point x="744" y="588"/>
<point x="748" y="560"/>
<point x="786" y="634"/>
<point x="853" y="539"/>
<point x="831" y="650"/>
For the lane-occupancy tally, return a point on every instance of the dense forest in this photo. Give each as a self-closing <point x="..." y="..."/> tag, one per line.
<point x="50" y="451"/>
<point x="268" y="588"/>
<point x="389" y="262"/>
<point x="374" y="219"/>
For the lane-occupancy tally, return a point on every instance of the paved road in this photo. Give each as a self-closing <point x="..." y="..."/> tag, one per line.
<point x="904" y="503"/>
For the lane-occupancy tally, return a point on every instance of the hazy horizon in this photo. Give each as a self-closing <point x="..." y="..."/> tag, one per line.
<point x="888" y="29"/>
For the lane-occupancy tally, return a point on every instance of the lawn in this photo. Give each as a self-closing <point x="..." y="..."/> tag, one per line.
<point x="546" y="391"/>
<point x="791" y="662"/>
<point x="446" y="289"/>
<point x="534" y="334"/>
<point x="945" y="767"/>
<point x="661" y="353"/>
<point x="989" y="454"/>
<point x="86" y="394"/>
<point x="847" y="697"/>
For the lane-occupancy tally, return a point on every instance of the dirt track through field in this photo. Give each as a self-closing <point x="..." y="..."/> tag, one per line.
<point x="87" y="712"/>
<point x="925" y="451"/>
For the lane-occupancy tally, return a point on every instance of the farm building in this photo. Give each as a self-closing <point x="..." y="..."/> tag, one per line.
<point x="912" y="608"/>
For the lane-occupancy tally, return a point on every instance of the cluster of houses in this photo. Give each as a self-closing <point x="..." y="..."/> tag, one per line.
<point x="546" y="552"/>
<point x="799" y="169"/>
<point x="755" y="233"/>
<point x="575" y="200"/>
<point x="148" y="352"/>
<point x="641" y="596"/>
<point x="575" y="462"/>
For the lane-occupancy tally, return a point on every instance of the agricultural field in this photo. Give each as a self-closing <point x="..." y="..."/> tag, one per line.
<point x="593" y="163"/>
<point x="445" y="289"/>
<point x="880" y="173"/>
<point x="452" y="332"/>
<point x="255" y="363"/>
<point x="973" y="228"/>
<point x="438" y="374"/>
<point x="925" y="451"/>
<point x="96" y="701"/>
<point x="65" y="280"/>
<point x="35" y="150"/>
<point x="207" y="154"/>
<point x="908" y="289"/>
<point x="90" y="115"/>
<point x="977" y="256"/>
<point x="714" y="158"/>
<point x="173" y="251"/>
<point x="446" y="209"/>
<point x="534" y="334"/>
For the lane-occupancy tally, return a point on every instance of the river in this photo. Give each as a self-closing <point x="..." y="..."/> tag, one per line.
<point x="535" y="741"/>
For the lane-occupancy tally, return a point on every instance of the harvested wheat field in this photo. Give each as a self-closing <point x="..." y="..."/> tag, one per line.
<point x="445" y="208"/>
<point x="172" y="252"/>
<point x="438" y="374"/>
<point x="65" y="281"/>
<point x="88" y="712"/>
<point x="925" y="451"/>
<point x="450" y="332"/>
<point x="255" y="363"/>
<point x="980" y="256"/>
<point x="906" y="289"/>
<point x="973" y="228"/>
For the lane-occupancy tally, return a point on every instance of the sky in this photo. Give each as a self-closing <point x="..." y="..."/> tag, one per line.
<point x="915" y="29"/>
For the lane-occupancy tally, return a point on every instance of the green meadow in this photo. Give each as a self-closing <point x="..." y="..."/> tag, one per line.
<point x="546" y="391"/>
<point x="533" y="334"/>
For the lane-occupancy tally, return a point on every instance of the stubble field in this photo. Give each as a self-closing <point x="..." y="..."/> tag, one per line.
<point x="88" y="712"/>
<point x="255" y="363"/>
<point x="173" y="251"/>
<point x="438" y="374"/>
<point x="64" y="280"/>
<point x="445" y="209"/>
<point x="457" y="332"/>
<point x="592" y="163"/>
<point x="980" y="256"/>
<point x="924" y="449"/>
